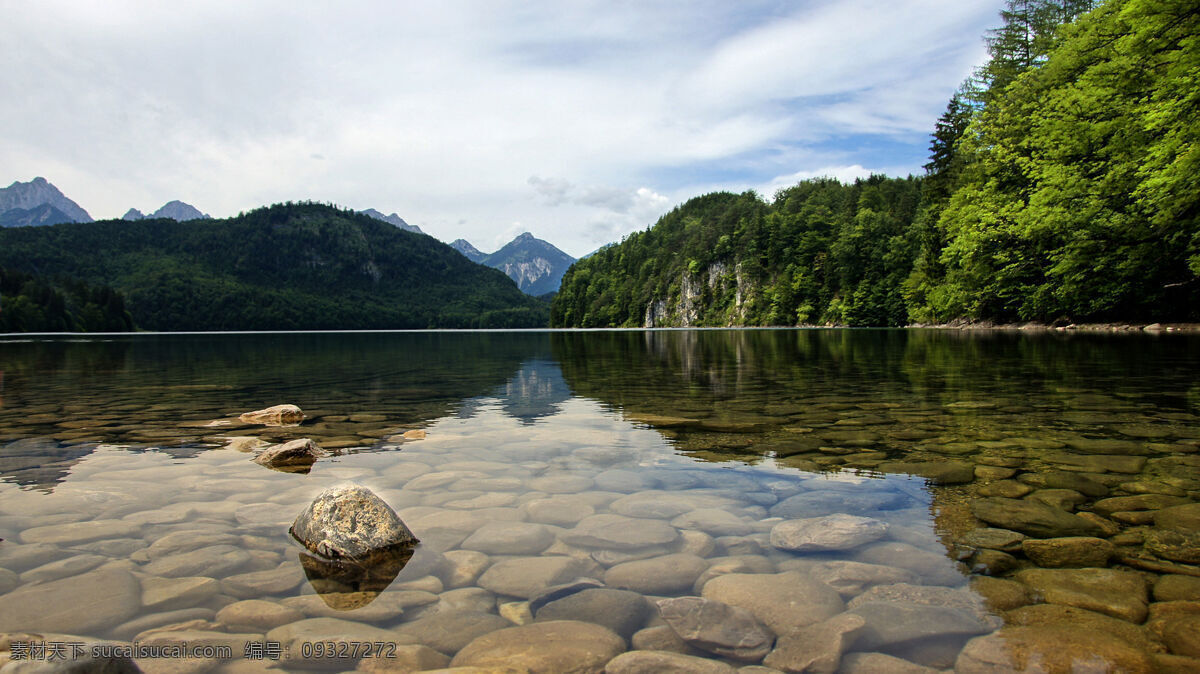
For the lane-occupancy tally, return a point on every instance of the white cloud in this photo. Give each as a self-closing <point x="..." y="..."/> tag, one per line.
<point x="442" y="111"/>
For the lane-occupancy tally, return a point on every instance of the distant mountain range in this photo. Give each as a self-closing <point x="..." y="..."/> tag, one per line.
<point x="392" y="219"/>
<point x="172" y="210"/>
<point x="536" y="265"/>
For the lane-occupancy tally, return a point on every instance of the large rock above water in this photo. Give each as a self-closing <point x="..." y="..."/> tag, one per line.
<point x="825" y="534"/>
<point x="566" y="646"/>
<point x="297" y="453"/>
<point x="1032" y="517"/>
<point x="82" y="604"/>
<point x="350" y="521"/>
<point x="278" y="415"/>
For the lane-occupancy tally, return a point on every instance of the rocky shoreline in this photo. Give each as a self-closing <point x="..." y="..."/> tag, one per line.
<point x="1033" y="326"/>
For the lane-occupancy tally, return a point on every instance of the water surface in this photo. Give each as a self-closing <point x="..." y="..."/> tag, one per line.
<point x="992" y="488"/>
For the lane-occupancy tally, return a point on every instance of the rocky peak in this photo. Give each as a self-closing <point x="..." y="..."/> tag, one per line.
<point x="392" y="219"/>
<point x="38" y="192"/>
<point x="133" y="214"/>
<point x="179" y="211"/>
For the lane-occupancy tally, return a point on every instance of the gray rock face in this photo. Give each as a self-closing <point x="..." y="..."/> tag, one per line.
<point x="1032" y="517"/>
<point x="717" y="627"/>
<point x="350" y="521"/>
<point x="36" y="193"/>
<point x="829" y="533"/>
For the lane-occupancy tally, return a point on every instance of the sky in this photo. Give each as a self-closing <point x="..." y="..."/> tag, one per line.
<point x="579" y="122"/>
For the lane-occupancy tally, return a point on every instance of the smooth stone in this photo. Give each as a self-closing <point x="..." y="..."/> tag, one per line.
<point x="261" y="583"/>
<point x="1057" y="615"/>
<point x="82" y="604"/>
<point x="465" y="567"/>
<point x="713" y="521"/>
<point x="615" y="557"/>
<point x="556" y="646"/>
<point x="621" y="611"/>
<point x="816" y="648"/>
<point x="217" y="560"/>
<point x="403" y="659"/>
<point x="928" y="635"/>
<point x="881" y="663"/>
<point x="937" y="472"/>
<point x="463" y="599"/>
<point x="930" y="567"/>
<point x="1031" y="517"/>
<point x="994" y="472"/>
<point x="561" y="484"/>
<point x="717" y="627"/>
<point x="1073" y="551"/>
<point x="1175" y="664"/>
<point x="1002" y="594"/>
<point x="852" y="578"/>
<point x="17" y="558"/>
<point x="620" y="532"/>
<point x="1182" y="637"/>
<point x="560" y="511"/>
<point x="516" y="612"/>
<point x="1005" y="489"/>
<point x="993" y="539"/>
<point x="383" y="608"/>
<point x="449" y="631"/>
<point x="719" y="566"/>
<point x="1107" y="446"/>
<point x="1063" y="479"/>
<point x="8" y="581"/>
<point x="165" y="594"/>
<point x="1175" y="587"/>
<point x="662" y="638"/>
<point x="510" y="538"/>
<point x="925" y="595"/>
<point x="1063" y="499"/>
<point x="330" y="632"/>
<point x="526" y="577"/>
<point x="1117" y="593"/>
<point x="146" y="623"/>
<point x="664" y="662"/>
<point x="1109" y="506"/>
<point x="1050" y="649"/>
<point x="831" y="502"/>
<point x="256" y="615"/>
<point x="197" y="636"/>
<point x="624" y="481"/>
<point x="666" y="575"/>
<point x="783" y="602"/>
<point x="350" y="521"/>
<point x="80" y="532"/>
<point x="825" y="534"/>
<point x="1093" y="463"/>
<point x="1181" y="518"/>
<point x="187" y="540"/>
<point x="992" y="562"/>
<point x="1175" y="545"/>
<point x="63" y="568"/>
<point x="560" y="591"/>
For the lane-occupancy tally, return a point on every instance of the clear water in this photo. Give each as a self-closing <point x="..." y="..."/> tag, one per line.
<point x="130" y="510"/>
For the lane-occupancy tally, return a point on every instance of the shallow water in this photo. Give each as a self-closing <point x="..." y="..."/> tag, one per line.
<point x="650" y="462"/>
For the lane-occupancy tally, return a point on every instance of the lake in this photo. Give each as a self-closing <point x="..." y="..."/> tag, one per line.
<point x="803" y="500"/>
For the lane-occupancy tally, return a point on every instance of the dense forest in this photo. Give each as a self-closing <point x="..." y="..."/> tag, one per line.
<point x="31" y="304"/>
<point x="1063" y="185"/>
<point x="287" y="266"/>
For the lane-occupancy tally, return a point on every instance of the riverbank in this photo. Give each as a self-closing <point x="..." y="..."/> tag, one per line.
<point x="1070" y="327"/>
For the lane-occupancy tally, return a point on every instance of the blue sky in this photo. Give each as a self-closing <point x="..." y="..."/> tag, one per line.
<point x="577" y="121"/>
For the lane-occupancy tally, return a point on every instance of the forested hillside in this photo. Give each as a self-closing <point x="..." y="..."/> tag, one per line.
<point x="31" y="304"/>
<point x="1063" y="184"/>
<point x="288" y="266"/>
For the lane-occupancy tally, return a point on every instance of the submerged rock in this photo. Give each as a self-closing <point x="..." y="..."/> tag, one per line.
<point x="556" y="646"/>
<point x="1121" y="594"/>
<point x="822" y="534"/>
<point x="1050" y="649"/>
<point x="717" y="627"/>
<point x="1068" y="551"/>
<point x="295" y="456"/>
<point x="350" y="521"/>
<point x="279" y="415"/>
<point x="1032" y="517"/>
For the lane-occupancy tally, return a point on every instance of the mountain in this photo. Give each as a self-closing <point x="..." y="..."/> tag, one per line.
<point x="38" y="192"/>
<point x="178" y="211"/>
<point x="392" y="219"/>
<point x="536" y="265"/>
<point x="45" y="214"/>
<point x="133" y="214"/>
<point x="473" y="254"/>
<point x="295" y="266"/>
